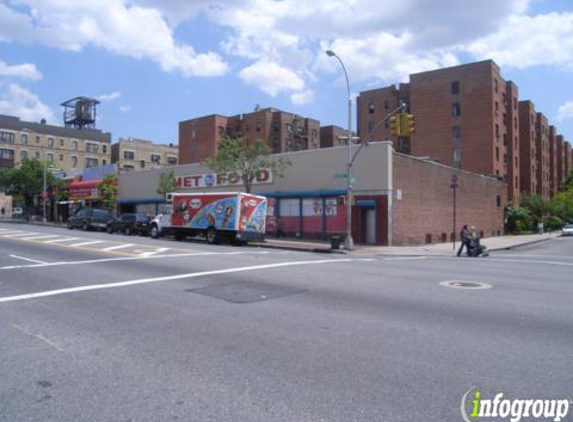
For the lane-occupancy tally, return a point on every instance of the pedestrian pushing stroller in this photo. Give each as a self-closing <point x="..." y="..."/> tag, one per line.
<point x="475" y="248"/>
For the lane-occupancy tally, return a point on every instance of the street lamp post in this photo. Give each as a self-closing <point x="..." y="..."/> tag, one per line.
<point x="44" y="193"/>
<point x="348" y="242"/>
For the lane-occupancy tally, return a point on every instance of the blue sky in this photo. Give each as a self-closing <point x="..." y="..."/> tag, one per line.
<point x="153" y="63"/>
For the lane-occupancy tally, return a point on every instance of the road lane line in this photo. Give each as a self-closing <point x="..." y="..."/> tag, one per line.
<point x="19" y="234"/>
<point x="170" y="278"/>
<point x="12" y="232"/>
<point x="93" y="242"/>
<point x="151" y="252"/>
<point x="39" y="337"/>
<point x="28" y="259"/>
<point x="47" y="236"/>
<point x="127" y="258"/>
<point x="65" y="239"/>
<point x="113" y="248"/>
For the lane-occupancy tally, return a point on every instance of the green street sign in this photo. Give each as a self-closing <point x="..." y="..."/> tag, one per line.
<point x="352" y="180"/>
<point x="340" y="175"/>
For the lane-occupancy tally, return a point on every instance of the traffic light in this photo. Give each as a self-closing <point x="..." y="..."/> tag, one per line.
<point x="395" y="125"/>
<point x="406" y="124"/>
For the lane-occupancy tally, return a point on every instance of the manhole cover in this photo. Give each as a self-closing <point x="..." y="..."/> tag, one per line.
<point x="461" y="284"/>
<point x="246" y="291"/>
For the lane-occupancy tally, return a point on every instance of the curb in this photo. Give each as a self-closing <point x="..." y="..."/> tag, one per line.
<point x="299" y="249"/>
<point x="532" y="242"/>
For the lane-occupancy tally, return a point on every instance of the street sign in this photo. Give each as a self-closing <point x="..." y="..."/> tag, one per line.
<point x="340" y="175"/>
<point x="352" y="180"/>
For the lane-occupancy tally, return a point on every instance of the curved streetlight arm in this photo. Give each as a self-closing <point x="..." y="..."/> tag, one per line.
<point x="400" y="109"/>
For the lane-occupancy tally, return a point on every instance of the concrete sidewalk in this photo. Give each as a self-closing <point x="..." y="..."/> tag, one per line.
<point x="439" y="249"/>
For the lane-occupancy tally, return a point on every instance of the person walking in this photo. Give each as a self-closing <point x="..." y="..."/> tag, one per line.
<point x="465" y="239"/>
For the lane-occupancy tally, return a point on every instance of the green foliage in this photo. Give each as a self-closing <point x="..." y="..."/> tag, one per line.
<point x="552" y="222"/>
<point x="27" y="181"/>
<point x="166" y="183"/>
<point x="108" y="190"/>
<point x="563" y="205"/>
<point x="518" y="219"/>
<point x="234" y="155"/>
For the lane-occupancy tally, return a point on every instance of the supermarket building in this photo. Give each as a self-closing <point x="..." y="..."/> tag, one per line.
<point x="399" y="199"/>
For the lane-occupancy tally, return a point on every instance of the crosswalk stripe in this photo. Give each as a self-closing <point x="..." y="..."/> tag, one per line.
<point x="65" y="239"/>
<point x="113" y="248"/>
<point x="19" y="234"/>
<point x="46" y="236"/>
<point x="93" y="242"/>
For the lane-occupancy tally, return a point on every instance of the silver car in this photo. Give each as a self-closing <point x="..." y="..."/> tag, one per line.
<point x="567" y="230"/>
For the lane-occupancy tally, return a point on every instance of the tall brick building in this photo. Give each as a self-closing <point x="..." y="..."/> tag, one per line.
<point x="527" y="152"/>
<point x="280" y="130"/>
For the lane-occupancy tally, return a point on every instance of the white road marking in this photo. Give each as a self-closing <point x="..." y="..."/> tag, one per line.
<point x="530" y="256"/>
<point x="127" y="258"/>
<point x="568" y="264"/>
<point x="93" y="242"/>
<point x="28" y="259"/>
<point x="47" y="236"/>
<point x="19" y="234"/>
<point x="4" y="234"/>
<point x="39" y="337"/>
<point x="113" y="248"/>
<point x="170" y="278"/>
<point x="404" y="258"/>
<point x="65" y="239"/>
<point x="143" y="252"/>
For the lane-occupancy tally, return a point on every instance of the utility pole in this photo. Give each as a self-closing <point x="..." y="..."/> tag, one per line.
<point x="454" y="187"/>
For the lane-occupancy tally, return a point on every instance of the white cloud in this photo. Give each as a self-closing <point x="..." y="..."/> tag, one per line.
<point x="24" y="71"/>
<point x="301" y="98"/>
<point x="117" y="26"/>
<point x="272" y="78"/>
<point x="125" y="108"/>
<point x="18" y="101"/>
<point x="527" y="41"/>
<point x="565" y="111"/>
<point x="109" y="97"/>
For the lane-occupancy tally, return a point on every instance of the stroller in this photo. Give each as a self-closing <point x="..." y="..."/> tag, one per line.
<point x="475" y="248"/>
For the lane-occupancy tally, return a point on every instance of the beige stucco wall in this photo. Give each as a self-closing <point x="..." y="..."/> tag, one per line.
<point x="6" y="203"/>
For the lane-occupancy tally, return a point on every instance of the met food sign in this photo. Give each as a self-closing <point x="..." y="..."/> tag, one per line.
<point x="213" y="180"/>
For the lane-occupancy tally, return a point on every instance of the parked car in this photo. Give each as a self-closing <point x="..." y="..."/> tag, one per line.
<point x="130" y="224"/>
<point x="567" y="230"/>
<point x="90" y="219"/>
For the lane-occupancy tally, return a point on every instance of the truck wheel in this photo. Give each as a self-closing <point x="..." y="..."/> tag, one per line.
<point x="128" y="231"/>
<point x="212" y="236"/>
<point x="109" y="229"/>
<point x="85" y="227"/>
<point x="154" y="231"/>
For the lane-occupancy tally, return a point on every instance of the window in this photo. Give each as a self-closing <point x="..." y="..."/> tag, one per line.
<point x="37" y="139"/>
<point x="193" y="134"/>
<point x="515" y="122"/>
<point x="289" y="127"/>
<point x="172" y="161"/>
<point x="103" y="162"/>
<point x="91" y="162"/>
<point x="496" y="106"/>
<point x="104" y="149"/>
<point x="6" y="137"/>
<point x="496" y="130"/>
<point x="61" y="143"/>
<point x="514" y="103"/>
<point x="142" y="164"/>
<point x="61" y="157"/>
<point x="458" y="156"/>
<point x="128" y="155"/>
<point x="370" y="126"/>
<point x="504" y="119"/>
<point x="498" y="200"/>
<point x="371" y="108"/>
<point x="74" y="145"/>
<point x="7" y="154"/>
<point x="386" y="106"/>
<point x="24" y="139"/>
<point x="496" y="154"/>
<point x="50" y="142"/>
<point x="93" y="148"/>
<point x="455" y="87"/>
<point x="258" y="127"/>
<point x="516" y="162"/>
<point x="276" y="128"/>
<point x="37" y="155"/>
<point x="128" y="167"/>
<point x="23" y="154"/>
<point x="516" y="182"/>
<point x="456" y="109"/>
<point x="456" y="132"/>
<point x="505" y="140"/>
<point x="496" y="85"/>
<point x="74" y="161"/>
<point x="49" y="156"/>
<point x="155" y="158"/>
<point x="314" y="133"/>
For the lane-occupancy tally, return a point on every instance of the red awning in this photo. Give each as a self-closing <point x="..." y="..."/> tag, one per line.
<point x="84" y="190"/>
<point x="85" y="184"/>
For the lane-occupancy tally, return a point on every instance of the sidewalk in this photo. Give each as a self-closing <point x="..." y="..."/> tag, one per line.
<point x="496" y="243"/>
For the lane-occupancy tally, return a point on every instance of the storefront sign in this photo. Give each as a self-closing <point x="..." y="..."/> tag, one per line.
<point x="84" y="190"/>
<point x="212" y="180"/>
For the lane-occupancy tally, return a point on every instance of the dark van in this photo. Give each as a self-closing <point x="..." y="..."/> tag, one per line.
<point x="90" y="219"/>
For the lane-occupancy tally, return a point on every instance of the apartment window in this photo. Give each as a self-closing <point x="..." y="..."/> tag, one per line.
<point x="172" y="161"/>
<point x="258" y="127"/>
<point x="504" y="119"/>
<point x="50" y="142"/>
<point x="221" y="130"/>
<point x="61" y="157"/>
<point x="24" y="139"/>
<point x="371" y="108"/>
<point x="74" y="161"/>
<point x="37" y="139"/>
<point x="516" y="182"/>
<point x="61" y="143"/>
<point x="370" y="126"/>
<point x="498" y="201"/>
<point x="496" y="154"/>
<point x="496" y="130"/>
<point x="6" y="137"/>
<point x="50" y="156"/>
<point x="456" y="132"/>
<point x="457" y="156"/>
<point x="515" y="122"/>
<point x="128" y="155"/>
<point x="386" y="106"/>
<point x="91" y="162"/>
<point x="156" y="159"/>
<point x="456" y="109"/>
<point x="142" y="164"/>
<point x="276" y="128"/>
<point x="74" y="145"/>
<point x="514" y="103"/>
<point x="516" y="162"/>
<point x="503" y="96"/>
<point x="386" y="124"/>
<point x="7" y="154"/>
<point x="92" y="148"/>
<point x="23" y="154"/>
<point x="314" y="133"/>
<point x="496" y="85"/>
<point x="496" y="106"/>
<point x="37" y="154"/>
<point x="455" y="87"/>
<point x="103" y="162"/>
<point x="289" y="127"/>
<point x="104" y="149"/>
<point x="193" y="134"/>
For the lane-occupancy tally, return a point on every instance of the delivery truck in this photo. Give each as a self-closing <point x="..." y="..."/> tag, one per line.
<point x="232" y="216"/>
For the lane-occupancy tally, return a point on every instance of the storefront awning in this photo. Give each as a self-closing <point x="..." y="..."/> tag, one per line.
<point x="84" y="190"/>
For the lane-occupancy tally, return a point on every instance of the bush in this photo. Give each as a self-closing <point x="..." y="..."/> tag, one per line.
<point x="552" y="223"/>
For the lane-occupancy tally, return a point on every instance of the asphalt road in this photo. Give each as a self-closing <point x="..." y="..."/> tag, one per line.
<point x="107" y="328"/>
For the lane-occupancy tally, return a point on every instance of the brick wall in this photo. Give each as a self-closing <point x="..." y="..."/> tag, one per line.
<point x="426" y="204"/>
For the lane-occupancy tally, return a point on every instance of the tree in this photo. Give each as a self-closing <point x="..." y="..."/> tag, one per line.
<point x="27" y="181"/>
<point x="235" y="155"/>
<point x="108" y="190"/>
<point x="166" y="183"/>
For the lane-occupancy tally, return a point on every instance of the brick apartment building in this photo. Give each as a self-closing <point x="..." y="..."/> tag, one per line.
<point x="470" y="117"/>
<point x="68" y="149"/>
<point x="280" y="130"/>
<point x="137" y="154"/>
<point x="332" y="136"/>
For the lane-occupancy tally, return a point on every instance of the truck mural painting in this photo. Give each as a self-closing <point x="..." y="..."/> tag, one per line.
<point x="237" y="216"/>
